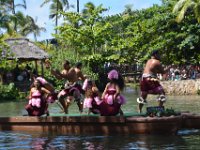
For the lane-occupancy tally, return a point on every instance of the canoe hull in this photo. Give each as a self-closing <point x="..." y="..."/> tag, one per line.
<point x="93" y="124"/>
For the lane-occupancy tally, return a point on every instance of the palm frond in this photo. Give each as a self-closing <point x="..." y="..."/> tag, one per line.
<point x="179" y="5"/>
<point x="197" y="12"/>
<point x="45" y="2"/>
<point x="21" y="5"/>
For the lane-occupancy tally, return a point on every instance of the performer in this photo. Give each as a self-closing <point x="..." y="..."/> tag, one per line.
<point x="37" y="105"/>
<point x="92" y="99"/>
<point x="52" y="97"/>
<point x="112" y="97"/>
<point x="149" y="83"/>
<point x="72" y="88"/>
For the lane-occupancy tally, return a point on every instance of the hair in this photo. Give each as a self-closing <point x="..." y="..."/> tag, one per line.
<point x="154" y="52"/>
<point x="66" y="62"/>
<point x="89" y="92"/>
<point x="32" y="85"/>
<point x="119" y="82"/>
<point x="79" y="64"/>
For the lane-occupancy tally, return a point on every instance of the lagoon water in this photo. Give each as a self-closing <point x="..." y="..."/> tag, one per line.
<point x="185" y="139"/>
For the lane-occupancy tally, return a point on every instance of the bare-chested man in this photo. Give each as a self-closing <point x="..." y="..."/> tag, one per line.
<point x="79" y="71"/>
<point x="72" y="89"/>
<point x="149" y="83"/>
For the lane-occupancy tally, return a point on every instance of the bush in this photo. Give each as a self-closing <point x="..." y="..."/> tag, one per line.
<point x="9" y="92"/>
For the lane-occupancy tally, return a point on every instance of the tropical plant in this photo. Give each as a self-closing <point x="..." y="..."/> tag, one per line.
<point x="3" y="47"/>
<point x="9" y="92"/>
<point x="10" y="6"/>
<point x="91" y="34"/>
<point x="55" y="7"/>
<point x="4" y="22"/>
<point x="29" y="26"/>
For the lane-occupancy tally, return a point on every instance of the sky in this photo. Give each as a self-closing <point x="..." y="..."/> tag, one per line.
<point x="42" y="13"/>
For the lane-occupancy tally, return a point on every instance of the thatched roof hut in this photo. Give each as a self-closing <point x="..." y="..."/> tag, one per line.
<point x="23" y="49"/>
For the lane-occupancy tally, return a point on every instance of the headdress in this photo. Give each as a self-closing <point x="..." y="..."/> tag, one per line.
<point x="113" y="74"/>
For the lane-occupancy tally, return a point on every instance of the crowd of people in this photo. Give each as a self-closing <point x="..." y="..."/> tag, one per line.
<point x="181" y="72"/>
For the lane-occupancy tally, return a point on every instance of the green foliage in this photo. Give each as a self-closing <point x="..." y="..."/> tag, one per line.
<point x="127" y="37"/>
<point x="9" y="92"/>
<point x="3" y="47"/>
<point x="86" y="32"/>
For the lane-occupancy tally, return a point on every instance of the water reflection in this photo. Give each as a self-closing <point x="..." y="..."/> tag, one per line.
<point x="9" y="140"/>
<point x="189" y="132"/>
<point x="185" y="139"/>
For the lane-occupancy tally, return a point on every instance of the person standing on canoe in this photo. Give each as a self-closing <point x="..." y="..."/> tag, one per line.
<point x="71" y="89"/>
<point x="149" y="83"/>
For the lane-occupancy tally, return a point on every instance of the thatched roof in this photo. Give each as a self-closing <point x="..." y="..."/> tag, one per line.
<point x="23" y="49"/>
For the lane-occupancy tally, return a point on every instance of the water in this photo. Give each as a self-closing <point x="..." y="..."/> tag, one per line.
<point x="22" y="141"/>
<point x="185" y="139"/>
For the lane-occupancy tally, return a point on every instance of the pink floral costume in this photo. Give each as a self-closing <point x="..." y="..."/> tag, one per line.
<point x="53" y="95"/>
<point x="92" y="102"/>
<point x="89" y="102"/>
<point x="109" y="96"/>
<point x="36" y="99"/>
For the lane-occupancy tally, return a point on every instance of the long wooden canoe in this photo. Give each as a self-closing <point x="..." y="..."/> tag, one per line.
<point x="104" y="125"/>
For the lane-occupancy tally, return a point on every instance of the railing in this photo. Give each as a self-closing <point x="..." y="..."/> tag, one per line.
<point x="134" y="75"/>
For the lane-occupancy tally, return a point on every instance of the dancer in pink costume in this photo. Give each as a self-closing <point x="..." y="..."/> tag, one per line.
<point x="112" y="98"/>
<point x="37" y="105"/>
<point x="92" y="99"/>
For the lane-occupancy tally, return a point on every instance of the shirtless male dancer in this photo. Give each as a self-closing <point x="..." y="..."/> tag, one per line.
<point x="72" y="88"/>
<point x="149" y="83"/>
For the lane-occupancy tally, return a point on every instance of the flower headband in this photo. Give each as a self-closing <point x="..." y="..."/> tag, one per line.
<point x="113" y="74"/>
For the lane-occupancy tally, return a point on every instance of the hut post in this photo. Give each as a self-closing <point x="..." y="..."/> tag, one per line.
<point x="42" y="67"/>
<point x="36" y="66"/>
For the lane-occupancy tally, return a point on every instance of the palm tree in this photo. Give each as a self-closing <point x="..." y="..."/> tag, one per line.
<point x="128" y="9"/>
<point x="30" y="27"/>
<point x="55" y="7"/>
<point x="77" y="4"/>
<point x="4" y="18"/>
<point x="182" y="6"/>
<point x="11" y="6"/>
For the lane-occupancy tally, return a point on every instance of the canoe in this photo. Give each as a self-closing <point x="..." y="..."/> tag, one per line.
<point x="190" y="120"/>
<point x="92" y="124"/>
